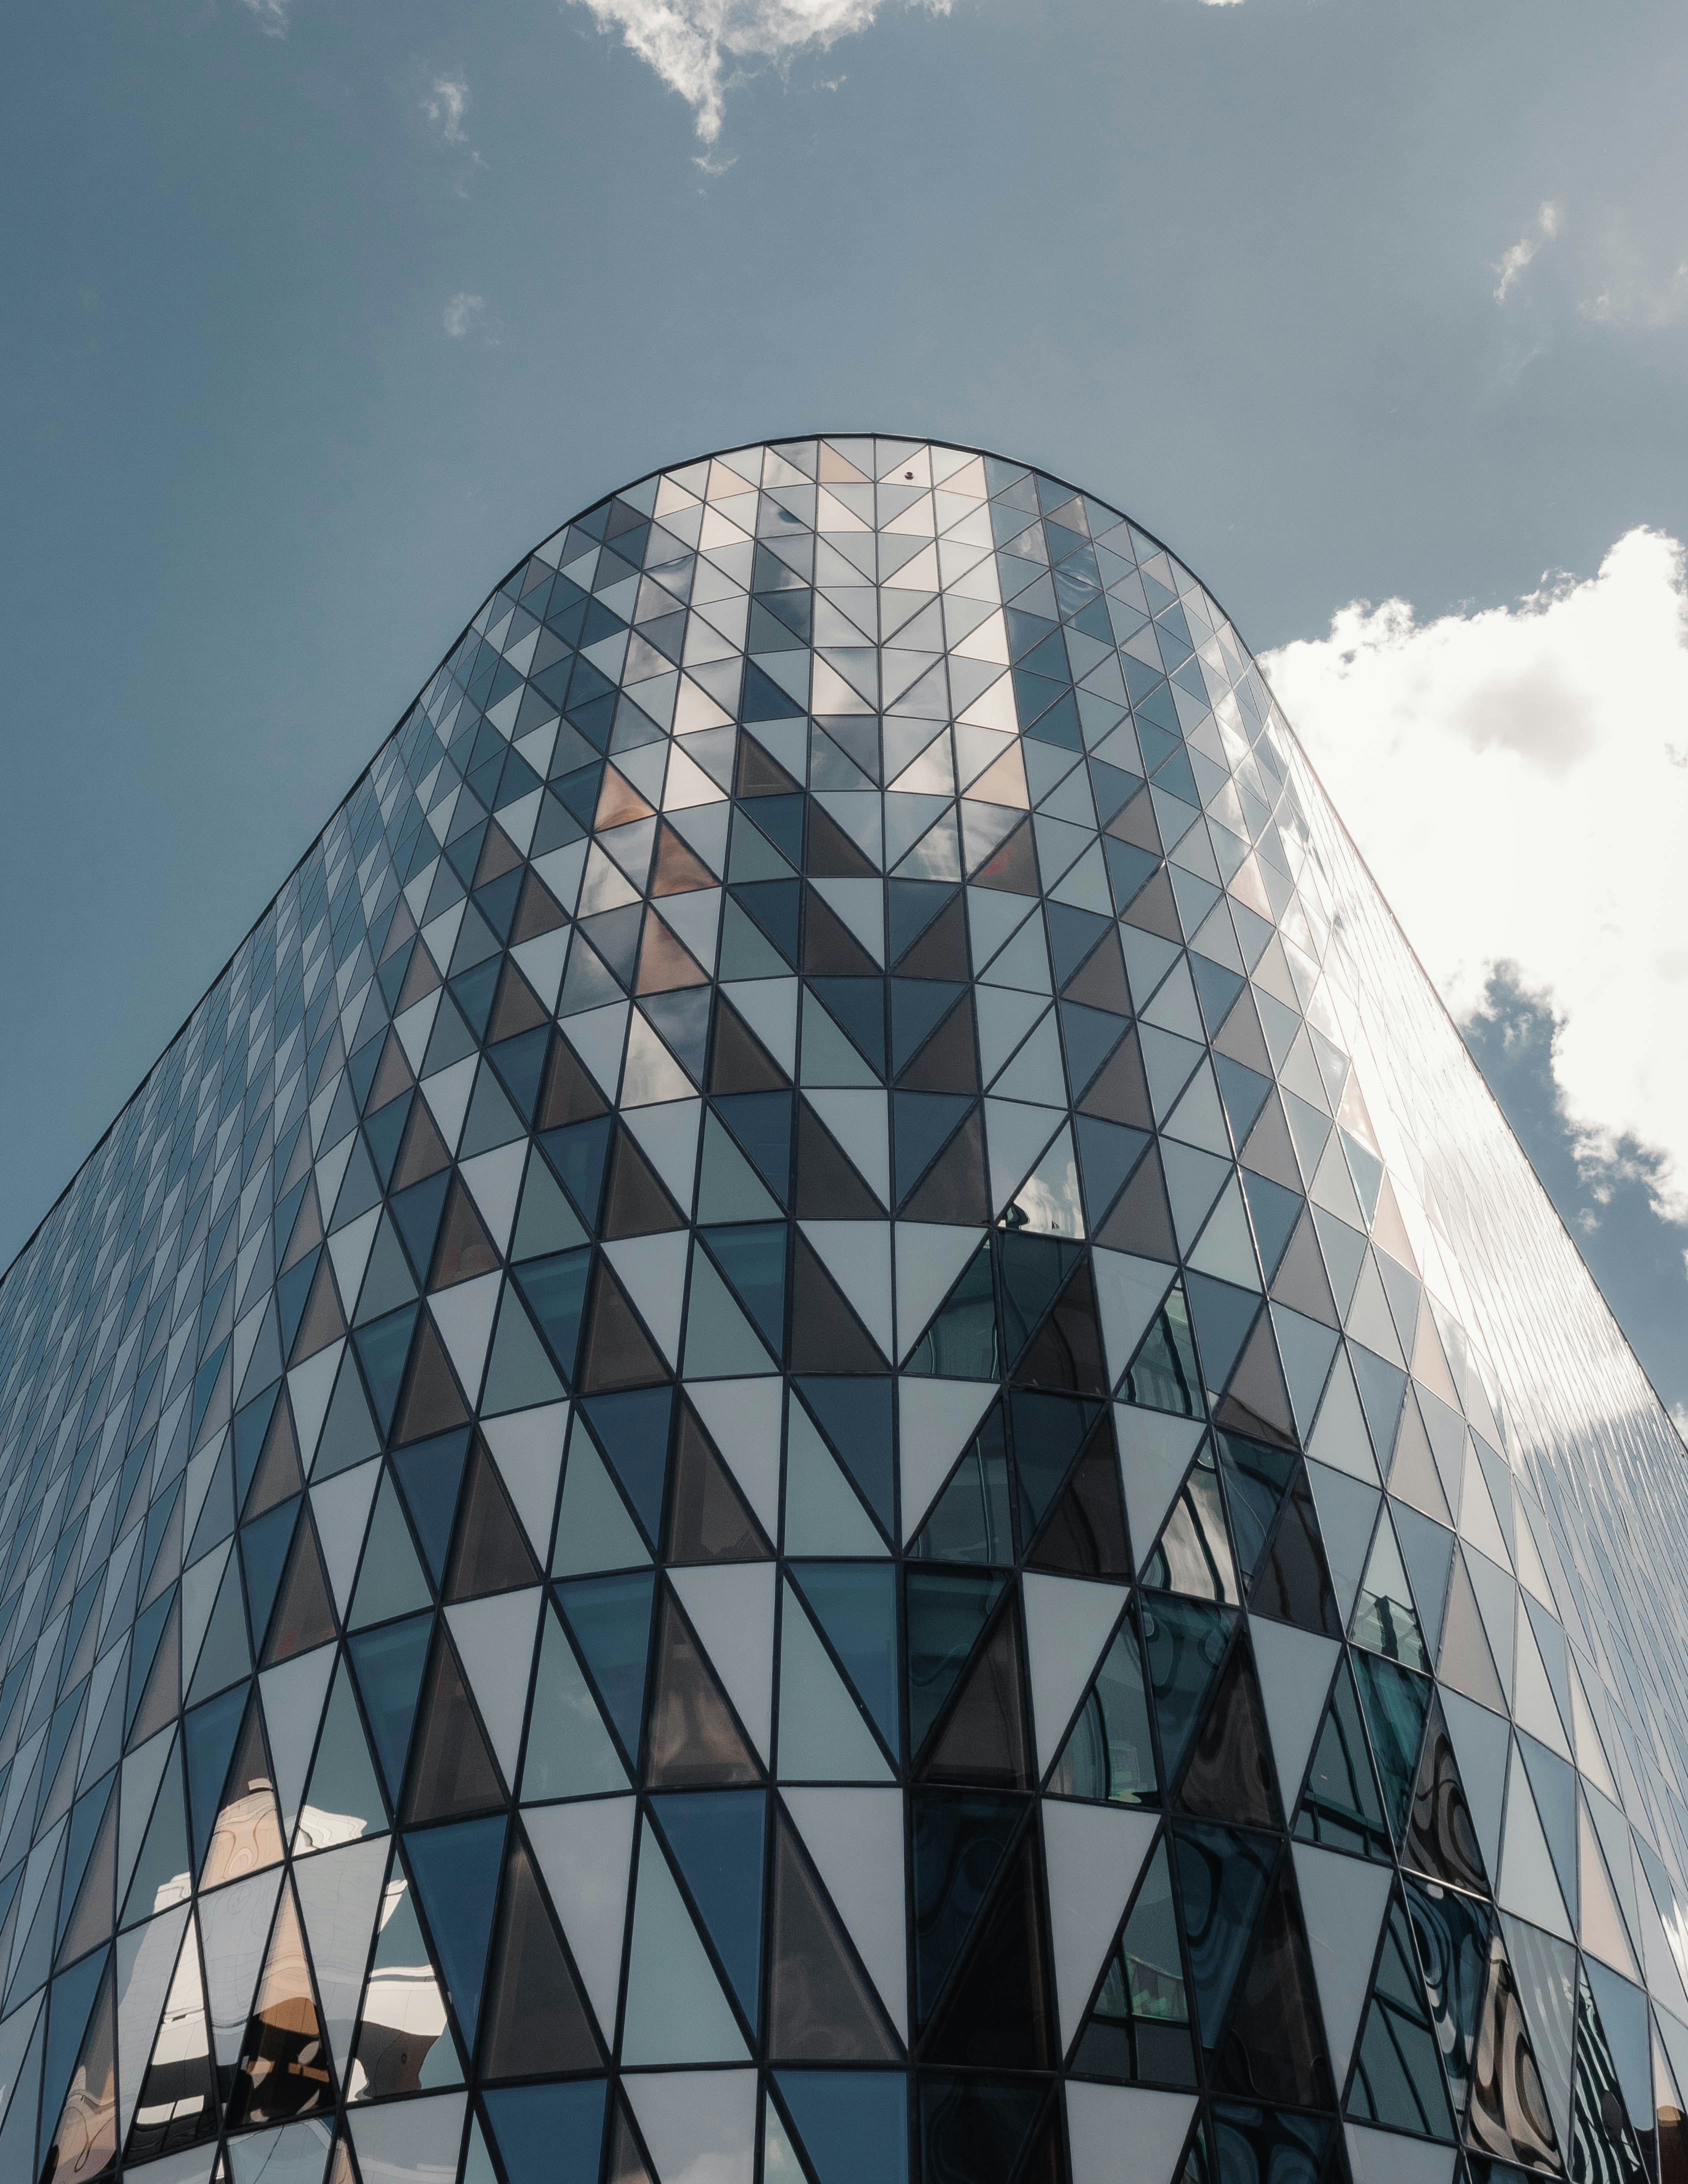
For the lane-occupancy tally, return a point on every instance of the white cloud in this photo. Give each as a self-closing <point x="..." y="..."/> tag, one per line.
<point x="692" y="43"/>
<point x="269" y="15"/>
<point x="1512" y="262"/>
<point x="463" y="312"/>
<point x="446" y="105"/>
<point x="1517" y="780"/>
<point x="1639" y="286"/>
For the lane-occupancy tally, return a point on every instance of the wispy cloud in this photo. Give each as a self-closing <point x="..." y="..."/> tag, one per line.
<point x="463" y="313"/>
<point x="1513" y="263"/>
<point x="1639" y="286"/>
<point x="1627" y="262"/>
<point x="1510" y="777"/>
<point x="269" y="15"/>
<point x="693" y="44"/>
<point x="445" y="105"/>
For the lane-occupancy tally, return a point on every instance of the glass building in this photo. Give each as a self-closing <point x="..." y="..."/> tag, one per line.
<point x="817" y="1430"/>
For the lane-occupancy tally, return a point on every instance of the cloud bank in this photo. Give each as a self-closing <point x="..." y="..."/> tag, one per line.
<point x="692" y="44"/>
<point x="1517" y="780"/>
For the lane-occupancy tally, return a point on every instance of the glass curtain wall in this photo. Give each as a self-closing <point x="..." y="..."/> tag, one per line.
<point x="817" y="1431"/>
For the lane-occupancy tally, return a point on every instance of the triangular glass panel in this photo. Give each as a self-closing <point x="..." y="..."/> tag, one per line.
<point x="535" y="2018"/>
<point x="821" y="2005"/>
<point x="177" y="2103"/>
<point x="826" y="1335"/>
<point x="972" y="1519"/>
<point x="1342" y="1805"/>
<point x="1193" y="1554"/>
<point x="283" y="2071"/>
<point x="999" y="2013"/>
<point x="610" y="1618"/>
<point x="1273" y="2045"/>
<point x="1602" y="2141"/>
<point x="1385" y="1619"/>
<point x="854" y="1603"/>
<point x="693" y="1740"/>
<point x="453" y="1772"/>
<point x="83" y="2140"/>
<point x="490" y="1551"/>
<point x="708" y="1518"/>
<point x="1451" y="1933"/>
<point x="570" y="1752"/>
<point x="718" y="1839"/>
<point x="392" y="1581"/>
<point x="456" y="1873"/>
<point x="402" y="2042"/>
<point x="246" y="1835"/>
<point x="1397" y="2078"/>
<point x="277" y="1475"/>
<point x="1395" y="1703"/>
<point x="617" y="1353"/>
<point x="595" y="1529"/>
<point x="983" y="1736"/>
<point x="430" y="1475"/>
<point x="432" y="1404"/>
<point x="1185" y="1642"/>
<point x="1164" y="1375"/>
<point x="1293" y="1582"/>
<point x="303" y="1614"/>
<point x="342" y="1801"/>
<point x="944" y="1610"/>
<point x="1140" y="2025"/>
<point x="1442" y="1840"/>
<point x="1509" y="2117"/>
<point x="1085" y="1532"/>
<point x="1229" y="1774"/>
<point x="1220" y="1878"/>
<point x="1110" y="1753"/>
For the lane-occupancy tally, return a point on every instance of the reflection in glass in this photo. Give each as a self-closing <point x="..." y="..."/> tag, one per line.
<point x="1108" y="1754"/>
<point x="1509" y="2116"/>
<point x="403" y="2045"/>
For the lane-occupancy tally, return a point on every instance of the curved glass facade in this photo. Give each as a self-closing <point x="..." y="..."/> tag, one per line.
<point x="817" y="1430"/>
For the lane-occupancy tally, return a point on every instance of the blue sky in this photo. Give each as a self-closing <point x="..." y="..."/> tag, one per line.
<point x="318" y="316"/>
